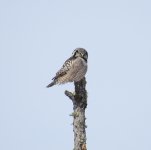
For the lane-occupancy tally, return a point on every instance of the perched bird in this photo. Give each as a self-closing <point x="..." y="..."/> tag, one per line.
<point x="74" y="68"/>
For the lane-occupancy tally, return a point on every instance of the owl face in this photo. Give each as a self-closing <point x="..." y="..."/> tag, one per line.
<point x="80" y="52"/>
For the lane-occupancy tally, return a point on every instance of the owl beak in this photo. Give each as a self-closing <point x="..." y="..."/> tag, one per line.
<point x="81" y="54"/>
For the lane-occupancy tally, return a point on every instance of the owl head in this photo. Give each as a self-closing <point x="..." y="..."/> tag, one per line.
<point x="80" y="52"/>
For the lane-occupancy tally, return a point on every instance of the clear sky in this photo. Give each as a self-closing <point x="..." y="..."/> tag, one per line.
<point x="37" y="36"/>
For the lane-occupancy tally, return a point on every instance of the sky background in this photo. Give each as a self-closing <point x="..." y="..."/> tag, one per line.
<point x="37" y="36"/>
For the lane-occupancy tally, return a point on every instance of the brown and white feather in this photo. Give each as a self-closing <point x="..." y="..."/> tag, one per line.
<point x="74" y="72"/>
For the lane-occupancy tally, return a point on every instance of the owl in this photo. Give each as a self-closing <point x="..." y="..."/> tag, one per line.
<point x="74" y="68"/>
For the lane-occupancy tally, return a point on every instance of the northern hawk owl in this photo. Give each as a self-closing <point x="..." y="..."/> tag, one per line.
<point x="74" y="68"/>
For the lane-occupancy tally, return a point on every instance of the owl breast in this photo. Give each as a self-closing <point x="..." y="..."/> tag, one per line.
<point x="76" y="72"/>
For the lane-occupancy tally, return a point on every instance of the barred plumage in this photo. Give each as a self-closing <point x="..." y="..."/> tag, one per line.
<point x="74" y="68"/>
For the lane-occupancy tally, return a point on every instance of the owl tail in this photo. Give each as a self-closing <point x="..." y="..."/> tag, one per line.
<point x="51" y="84"/>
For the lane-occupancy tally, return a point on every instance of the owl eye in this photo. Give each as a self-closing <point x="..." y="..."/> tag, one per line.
<point x="81" y="53"/>
<point x="76" y="53"/>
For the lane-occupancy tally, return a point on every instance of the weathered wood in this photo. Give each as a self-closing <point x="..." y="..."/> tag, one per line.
<point x="79" y="99"/>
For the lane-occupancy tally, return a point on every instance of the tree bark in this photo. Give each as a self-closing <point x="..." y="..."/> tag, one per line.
<point x="79" y="99"/>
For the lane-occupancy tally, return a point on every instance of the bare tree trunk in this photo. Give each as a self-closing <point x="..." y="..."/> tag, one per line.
<point x="79" y="99"/>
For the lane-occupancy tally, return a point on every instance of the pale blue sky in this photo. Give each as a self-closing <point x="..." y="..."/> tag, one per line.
<point x="37" y="36"/>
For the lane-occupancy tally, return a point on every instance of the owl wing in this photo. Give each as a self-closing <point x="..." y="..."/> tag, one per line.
<point x="65" y="68"/>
